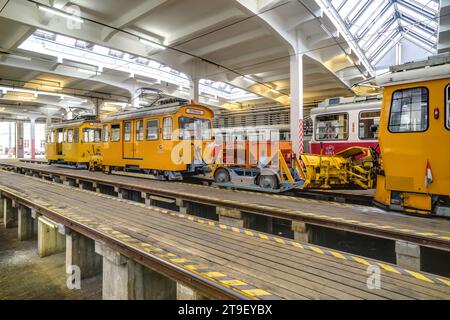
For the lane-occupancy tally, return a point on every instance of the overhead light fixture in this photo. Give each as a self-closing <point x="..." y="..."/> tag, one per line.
<point x="249" y="79"/>
<point x="25" y="98"/>
<point x="50" y="87"/>
<point x="149" y="82"/>
<point x="349" y="59"/>
<point x="274" y="91"/>
<point x="152" y="44"/>
<point x="91" y="72"/>
<point x="19" y="57"/>
<point x="61" y="14"/>
<point x="73" y="102"/>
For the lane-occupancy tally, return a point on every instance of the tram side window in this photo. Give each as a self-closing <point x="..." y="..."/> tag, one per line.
<point x="409" y="110"/>
<point x="167" y="128"/>
<point x="140" y="130"/>
<point x="447" y="107"/>
<point x="91" y="135"/>
<point x="97" y="135"/>
<point x="51" y="137"/>
<point x="115" y="132"/>
<point x="85" y="135"/>
<point x="69" y="133"/>
<point x="206" y="130"/>
<point x="76" y="135"/>
<point x="191" y="128"/>
<point x="332" y="127"/>
<point x="369" y="122"/>
<point x="152" y="129"/>
<point x="127" y="131"/>
<point x="105" y="133"/>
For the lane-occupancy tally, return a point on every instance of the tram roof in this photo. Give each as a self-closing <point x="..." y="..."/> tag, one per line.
<point x="73" y="123"/>
<point x="148" y="112"/>
<point x="435" y="67"/>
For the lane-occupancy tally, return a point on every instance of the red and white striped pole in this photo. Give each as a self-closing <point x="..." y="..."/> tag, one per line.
<point x="300" y="136"/>
<point x="296" y="81"/>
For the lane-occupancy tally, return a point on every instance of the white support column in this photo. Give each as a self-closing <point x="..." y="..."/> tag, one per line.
<point x="33" y="137"/>
<point x="195" y="90"/>
<point x="19" y="140"/>
<point x="296" y="66"/>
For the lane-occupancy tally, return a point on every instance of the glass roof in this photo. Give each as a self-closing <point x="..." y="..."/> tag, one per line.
<point x="101" y="57"/>
<point x="379" y="25"/>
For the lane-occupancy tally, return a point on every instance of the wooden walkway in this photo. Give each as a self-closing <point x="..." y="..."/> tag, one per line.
<point x="237" y="259"/>
<point x="432" y="232"/>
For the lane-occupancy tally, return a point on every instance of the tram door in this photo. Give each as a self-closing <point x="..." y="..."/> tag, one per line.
<point x="133" y="138"/>
<point x="59" y="148"/>
<point x="128" y="140"/>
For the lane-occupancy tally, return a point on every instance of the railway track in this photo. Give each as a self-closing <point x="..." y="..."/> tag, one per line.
<point x="433" y="233"/>
<point x="219" y="261"/>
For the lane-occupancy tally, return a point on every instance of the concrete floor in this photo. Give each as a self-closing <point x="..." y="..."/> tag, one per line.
<point x="25" y="276"/>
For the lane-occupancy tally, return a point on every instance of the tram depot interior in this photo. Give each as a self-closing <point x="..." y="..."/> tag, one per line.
<point x="224" y="149"/>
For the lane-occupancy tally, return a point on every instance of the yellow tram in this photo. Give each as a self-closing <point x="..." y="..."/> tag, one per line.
<point x="415" y="138"/>
<point x="167" y="142"/>
<point x="76" y="143"/>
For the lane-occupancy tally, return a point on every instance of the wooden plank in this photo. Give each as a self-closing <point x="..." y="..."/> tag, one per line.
<point x="84" y="203"/>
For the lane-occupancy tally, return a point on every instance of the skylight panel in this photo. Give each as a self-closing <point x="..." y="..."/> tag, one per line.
<point x="379" y="43"/>
<point x="347" y="8"/>
<point x="369" y="18"/>
<point x="380" y="55"/>
<point x="355" y="13"/>
<point x="65" y="40"/>
<point x="381" y="26"/>
<point x="116" y="53"/>
<point x="374" y="23"/>
<point x="418" y="42"/>
<point x="45" y="35"/>
<point x="337" y="3"/>
<point x="420" y="8"/>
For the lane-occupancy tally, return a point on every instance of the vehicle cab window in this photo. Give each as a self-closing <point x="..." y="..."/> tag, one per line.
<point x="332" y="127"/>
<point x="194" y="129"/>
<point x="139" y="130"/>
<point x="409" y="110"/>
<point x="69" y="135"/>
<point x="369" y="122"/>
<point x="127" y="131"/>
<point x="152" y="129"/>
<point x="167" y="128"/>
<point x="105" y="133"/>
<point x="115" y="132"/>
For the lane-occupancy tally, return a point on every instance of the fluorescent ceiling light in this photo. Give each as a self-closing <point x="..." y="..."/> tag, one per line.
<point x="73" y="102"/>
<point x="151" y="83"/>
<point x="61" y="14"/>
<point x="349" y="59"/>
<point x="50" y="87"/>
<point x="20" y="57"/>
<point x="249" y="79"/>
<point x="274" y="91"/>
<point x="152" y="44"/>
<point x="87" y="71"/>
